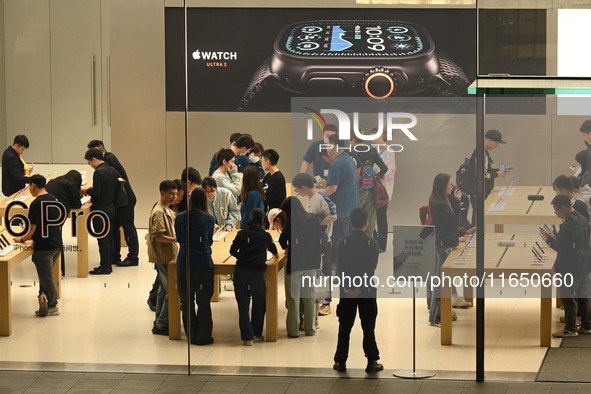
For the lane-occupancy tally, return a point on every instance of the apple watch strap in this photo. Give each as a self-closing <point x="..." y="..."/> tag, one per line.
<point x="454" y="81"/>
<point x="262" y="78"/>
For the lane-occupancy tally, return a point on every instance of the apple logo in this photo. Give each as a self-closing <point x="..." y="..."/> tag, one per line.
<point x="196" y="55"/>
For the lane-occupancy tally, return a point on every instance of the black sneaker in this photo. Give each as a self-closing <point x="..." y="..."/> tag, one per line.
<point x="374" y="366"/>
<point x="100" y="271"/>
<point x="159" y="331"/>
<point x="340" y="366"/>
<point x="126" y="263"/>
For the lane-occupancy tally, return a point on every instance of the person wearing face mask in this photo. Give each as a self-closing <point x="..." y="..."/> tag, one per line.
<point x="254" y="158"/>
<point x="313" y="156"/>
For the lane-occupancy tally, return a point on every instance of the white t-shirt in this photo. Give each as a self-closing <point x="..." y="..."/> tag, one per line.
<point x="319" y="204"/>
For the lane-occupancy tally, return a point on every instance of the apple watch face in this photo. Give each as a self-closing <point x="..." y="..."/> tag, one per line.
<point x="354" y="39"/>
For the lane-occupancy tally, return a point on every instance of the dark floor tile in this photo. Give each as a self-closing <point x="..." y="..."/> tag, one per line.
<point x="230" y="379"/>
<point x="570" y="387"/>
<point x="397" y="386"/>
<point x="50" y="383"/>
<point x="90" y="391"/>
<point x="95" y="384"/>
<point x="104" y="376"/>
<point x="272" y="379"/>
<point x="485" y="388"/>
<point x="138" y="385"/>
<point x="263" y="387"/>
<point x="529" y="388"/>
<point x="223" y="387"/>
<point x="16" y="382"/>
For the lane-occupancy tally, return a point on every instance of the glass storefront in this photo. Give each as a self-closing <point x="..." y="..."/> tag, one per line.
<point x="165" y="87"/>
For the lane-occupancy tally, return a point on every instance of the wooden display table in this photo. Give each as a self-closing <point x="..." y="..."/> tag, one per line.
<point x="515" y="208"/>
<point x="82" y="232"/>
<point x="225" y="264"/>
<point x="6" y="264"/>
<point x="500" y="260"/>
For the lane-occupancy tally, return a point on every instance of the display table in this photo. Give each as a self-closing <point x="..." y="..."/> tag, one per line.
<point x="6" y="264"/>
<point x="225" y="264"/>
<point x="500" y="260"/>
<point x="511" y="206"/>
<point x="82" y="232"/>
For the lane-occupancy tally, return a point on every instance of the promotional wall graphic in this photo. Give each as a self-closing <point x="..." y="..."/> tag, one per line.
<point x="258" y="59"/>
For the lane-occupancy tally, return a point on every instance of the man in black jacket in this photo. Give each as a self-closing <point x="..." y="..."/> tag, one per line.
<point x="125" y="215"/>
<point x="572" y="244"/>
<point x="357" y="257"/>
<point x="13" y="167"/>
<point x="105" y="182"/>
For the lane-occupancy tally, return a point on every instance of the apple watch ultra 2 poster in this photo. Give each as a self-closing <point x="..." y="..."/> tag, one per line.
<point x="257" y="59"/>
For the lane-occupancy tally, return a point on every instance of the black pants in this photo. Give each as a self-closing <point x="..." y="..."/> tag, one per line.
<point x="105" y="244"/>
<point x="382" y="229"/>
<point x="200" y="292"/>
<point x="347" y="311"/>
<point x="125" y="218"/>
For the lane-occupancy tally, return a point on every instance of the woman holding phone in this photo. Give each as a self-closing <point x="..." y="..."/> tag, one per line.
<point x="445" y="214"/>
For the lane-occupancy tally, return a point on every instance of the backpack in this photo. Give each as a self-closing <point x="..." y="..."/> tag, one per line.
<point x="465" y="175"/>
<point x="582" y="246"/>
<point x="367" y="176"/>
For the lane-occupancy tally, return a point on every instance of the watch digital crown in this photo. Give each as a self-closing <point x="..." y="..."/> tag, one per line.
<point x="379" y="83"/>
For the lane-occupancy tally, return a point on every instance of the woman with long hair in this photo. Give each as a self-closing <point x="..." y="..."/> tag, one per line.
<point x="195" y="249"/>
<point x="226" y="174"/>
<point x="252" y="195"/>
<point x="584" y="161"/>
<point x="301" y="238"/>
<point x="445" y="214"/>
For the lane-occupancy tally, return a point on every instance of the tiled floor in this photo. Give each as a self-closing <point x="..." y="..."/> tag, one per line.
<point x="99" y="383"/>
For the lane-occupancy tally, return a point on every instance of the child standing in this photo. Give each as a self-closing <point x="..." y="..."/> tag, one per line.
<point x="250" y="249"/>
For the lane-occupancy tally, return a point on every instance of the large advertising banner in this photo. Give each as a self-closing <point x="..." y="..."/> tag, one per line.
<point x="258" y="59"/>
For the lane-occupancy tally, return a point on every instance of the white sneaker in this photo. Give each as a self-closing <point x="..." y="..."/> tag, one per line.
<point x="564" y="334"/>
<point x="43" y="308"/>
<point x="324" y="310"/>
<point x="55" y="311"/>
<point x="247" y="343"/>
<point x="460" y="302"/>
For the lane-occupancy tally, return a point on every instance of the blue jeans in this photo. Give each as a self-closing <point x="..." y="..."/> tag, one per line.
<point x="435" y="312"/>
<point x="44" y="261"/>
<point x="249" y="283"/>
